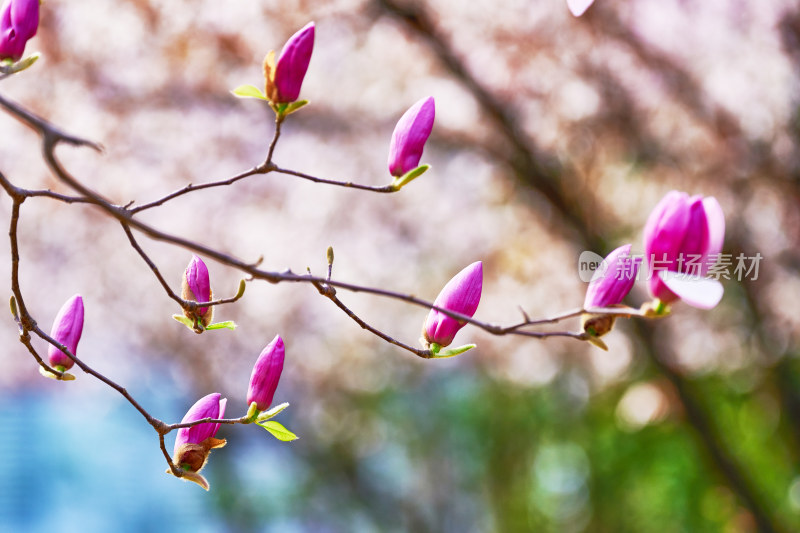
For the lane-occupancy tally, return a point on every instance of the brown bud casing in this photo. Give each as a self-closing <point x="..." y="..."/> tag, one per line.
<point x="597" y="325"/>
<point x="193" y="457"/>
<point x="269" y="76"/>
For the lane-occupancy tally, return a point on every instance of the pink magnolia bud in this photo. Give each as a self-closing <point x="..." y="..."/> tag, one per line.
<point x="193" y="444"/>
<point x="67" y="329"/>
<point x="19" y="20"/>
<point x="613" y="280"/>
<point x="284" y="78"/>
<point x="197" y="287"/>
<point x="684" y="235"/>
<point x="462" y="294"/>
<point x="266" y="373"/>
<point x="410" y="134"/>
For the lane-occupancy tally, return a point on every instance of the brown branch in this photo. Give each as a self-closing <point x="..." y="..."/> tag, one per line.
<point x="329" y="292"/>
<point x="264" y="169"/>
<point x="348" y="184"/>
<point x="278" y="121"/>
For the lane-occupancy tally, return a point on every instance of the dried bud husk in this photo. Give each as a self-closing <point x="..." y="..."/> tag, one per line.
<point x="192" y="457"/>
<point x="597" y="325"/>
<point x="269" y="75"/>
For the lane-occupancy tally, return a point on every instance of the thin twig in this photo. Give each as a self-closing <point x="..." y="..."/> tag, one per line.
<point x="347" y="184"/>
<point x="191" y="188"/>
<point x="330" y="293"/>
<point x="278" y="121"/>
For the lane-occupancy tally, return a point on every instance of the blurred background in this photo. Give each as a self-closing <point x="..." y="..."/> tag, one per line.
<point x="553" y="135"/>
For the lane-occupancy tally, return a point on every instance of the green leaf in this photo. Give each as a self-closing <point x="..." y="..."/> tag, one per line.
<point x="248" y="91"/>
<point x="240" y="292"/>
<point x="11" y="68"/>
<point x="452" y="352"/>
<point x="278" y="431"/>
<point x="294" y="106"/>
<point x="229" y="324"/>
<point x="185" y="321"/>
<point x="252" y="413"/>
<point x="266" y="415"/>
<point x="409" y="176"/>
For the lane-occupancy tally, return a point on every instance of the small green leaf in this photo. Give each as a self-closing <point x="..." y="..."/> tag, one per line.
<point x="185" y="321"/>
<point x="229" y="324"/>
<point x="452" y="352"/>
<point x="12" y="68"/>
<point x="240" y="292"/>
<point x="248" y="91"/>
<point x="294" y="106"/>
<point x="266" y="415"/>
<point x="13" y="304"/>
<point x="409" y="176"/>
<point x="278" y="431"/>
<point x="252" y="413"/>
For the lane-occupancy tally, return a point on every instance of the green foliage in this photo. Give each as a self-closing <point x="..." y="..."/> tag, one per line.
<point x="278" y="431"/>
<point x="249" y="91"/>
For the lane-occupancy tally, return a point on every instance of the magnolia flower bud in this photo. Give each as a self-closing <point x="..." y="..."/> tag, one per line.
<point x="266" y="374"/>
<point x="197" y="287"/>
<point x="284" y="78"/>
<point x="613" y="280"/>
<point x="462" y="294"/>
<point x="67" y="329"/>
<point x="193" y="444"/>
<point x="410" y="134"/>
<point x="684" y="235"/>
<point x="19" y="20"/>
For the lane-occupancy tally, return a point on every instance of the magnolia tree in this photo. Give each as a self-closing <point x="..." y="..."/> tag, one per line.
<point x="683" y="239"/>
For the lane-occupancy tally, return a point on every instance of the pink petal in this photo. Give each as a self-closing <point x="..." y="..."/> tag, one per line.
<point x="666" y="228"/>
<point x="579" y="7"/>
<point x="612" y="280"/>
<point x="698" y="292"/>
<point x="716" y="225"/>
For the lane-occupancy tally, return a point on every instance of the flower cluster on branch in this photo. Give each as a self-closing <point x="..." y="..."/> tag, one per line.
<point x="679" y="225"/>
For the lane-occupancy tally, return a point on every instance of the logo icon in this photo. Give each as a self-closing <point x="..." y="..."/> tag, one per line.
<point x="588" y="263"/>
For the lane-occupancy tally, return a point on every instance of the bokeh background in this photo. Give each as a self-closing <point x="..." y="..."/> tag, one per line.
<point x="553" y="135"/>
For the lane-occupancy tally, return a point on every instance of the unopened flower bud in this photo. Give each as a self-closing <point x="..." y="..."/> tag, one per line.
<point x="197" y="287"/>
<point x="19" y="20"/>
<point x="462" y="294"/>
<point x="193" y="444"/>
<point x="266" y="374"/>
<point x="613" y="280"/>
<point x="67" y="329"/>
<point x="285" y="77"/>
<point x="682" y="239"/>
<point x="410" y="134"/>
